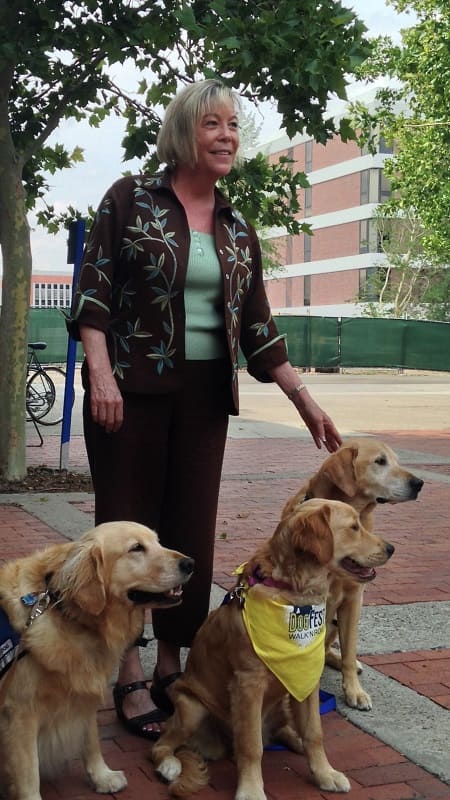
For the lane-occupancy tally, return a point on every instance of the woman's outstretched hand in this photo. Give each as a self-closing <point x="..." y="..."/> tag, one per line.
<point x="320" y="425"/>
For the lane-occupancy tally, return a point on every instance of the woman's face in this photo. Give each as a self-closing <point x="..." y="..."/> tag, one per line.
<point x="217" y="140"/>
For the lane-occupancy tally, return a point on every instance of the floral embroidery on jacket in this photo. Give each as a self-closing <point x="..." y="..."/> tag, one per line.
<point x="132" y="280"/>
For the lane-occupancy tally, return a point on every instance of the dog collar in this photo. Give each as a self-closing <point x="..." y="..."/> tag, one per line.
<point x="256" y="577"/>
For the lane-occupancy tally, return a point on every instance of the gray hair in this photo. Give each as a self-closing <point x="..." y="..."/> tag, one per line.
<point x="176" y="138"/>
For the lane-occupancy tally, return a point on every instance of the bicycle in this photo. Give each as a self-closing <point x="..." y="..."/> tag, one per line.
<point x="44" y="397"/>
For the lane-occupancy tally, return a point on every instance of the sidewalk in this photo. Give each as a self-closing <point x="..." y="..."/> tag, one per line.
<point x="397" y="751"/>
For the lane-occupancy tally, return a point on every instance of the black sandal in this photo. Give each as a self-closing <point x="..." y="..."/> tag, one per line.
<point x="135" y="725"/>
<point x="158" y="691"/>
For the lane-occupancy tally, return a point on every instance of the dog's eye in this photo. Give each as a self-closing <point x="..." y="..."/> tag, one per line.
<point x="137" y="548"/>
<point x="382" y="460"/>
<point x="355" y="526"/>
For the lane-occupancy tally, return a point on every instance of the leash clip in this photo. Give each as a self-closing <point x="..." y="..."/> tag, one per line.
<point x="238" y="593"/>
<point x="40" y="605"/>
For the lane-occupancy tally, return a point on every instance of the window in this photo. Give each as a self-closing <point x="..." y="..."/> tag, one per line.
<point x="289" y="249"/>
<point x="307" y="247"/>
<point x="374" y="187"/>
<point x="364" y="187"/>
<point x="385" y="188"/>
<point x="308" y="155"/>
<point x="307" y="290"/>
<point x="308" y="201"/>
<point x="288" y="298"/>
<point x="370" y="283"/>
<point x="368" y="237"/>
<point x="384" y="147"/>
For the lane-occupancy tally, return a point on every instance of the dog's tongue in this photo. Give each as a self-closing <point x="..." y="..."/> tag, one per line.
<point x="365" y="573"/>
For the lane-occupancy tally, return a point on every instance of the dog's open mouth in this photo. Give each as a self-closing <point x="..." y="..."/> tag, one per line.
<point x="170" y="598"/>
<point x="357" y="571"/>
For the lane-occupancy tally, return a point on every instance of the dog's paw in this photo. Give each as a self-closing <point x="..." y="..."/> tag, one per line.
<point x="358" y="698"/>
<point x="250" y="793"/>
<point x="334" y="781"/>
<point x="110" y="781"/>
<point x="169" y="769"/>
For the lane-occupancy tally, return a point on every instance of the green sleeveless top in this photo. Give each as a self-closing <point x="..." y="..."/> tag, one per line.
<point x="203" y="301"/>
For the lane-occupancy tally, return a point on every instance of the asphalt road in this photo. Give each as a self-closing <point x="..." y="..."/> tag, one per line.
<point x="357" y="402"/>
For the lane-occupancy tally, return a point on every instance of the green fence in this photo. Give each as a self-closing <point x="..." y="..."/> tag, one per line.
<point x="320" y="342"/>
<point x="395" y="343"/>
<point x="48" y="325"/>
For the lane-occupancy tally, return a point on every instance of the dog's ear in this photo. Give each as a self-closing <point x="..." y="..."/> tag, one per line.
<point x="341" y="472"/>
<point x="81" y="580"/>
<point x="311" y="533"/>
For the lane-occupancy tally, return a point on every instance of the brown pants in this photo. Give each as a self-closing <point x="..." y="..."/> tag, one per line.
<point x="163" y="469"/>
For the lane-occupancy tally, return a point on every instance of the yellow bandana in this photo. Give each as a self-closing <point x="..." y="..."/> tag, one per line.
<point x="289" y="639"/>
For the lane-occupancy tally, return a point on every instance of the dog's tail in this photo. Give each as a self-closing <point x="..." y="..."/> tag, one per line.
<point x="186" y="772"/>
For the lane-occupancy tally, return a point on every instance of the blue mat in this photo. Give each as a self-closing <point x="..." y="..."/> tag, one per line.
<point x="327" y="703"/>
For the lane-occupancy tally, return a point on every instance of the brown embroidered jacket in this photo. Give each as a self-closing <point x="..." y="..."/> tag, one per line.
<point x="132" y="278"/>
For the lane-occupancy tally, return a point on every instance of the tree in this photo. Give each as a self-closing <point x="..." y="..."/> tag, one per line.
<point x="413" y="115"/>
<point x="397" y="287"/>
<point x="55" y="60"/>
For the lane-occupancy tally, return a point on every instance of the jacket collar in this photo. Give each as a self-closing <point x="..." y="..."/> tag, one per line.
<point x="162" y="181"/>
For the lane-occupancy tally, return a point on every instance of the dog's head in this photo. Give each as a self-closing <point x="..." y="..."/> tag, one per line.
<point x="327" y="533"/>
<point x="121" y="561"/>
<point x="369" y="468"/>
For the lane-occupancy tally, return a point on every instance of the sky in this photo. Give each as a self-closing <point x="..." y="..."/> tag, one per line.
<point x="86" y="183"/>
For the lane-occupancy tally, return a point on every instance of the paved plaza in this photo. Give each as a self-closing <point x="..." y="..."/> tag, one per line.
<point x="400" y="749"/>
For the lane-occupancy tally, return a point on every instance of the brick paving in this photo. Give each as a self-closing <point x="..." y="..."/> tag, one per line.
<point x="259" y="474"/>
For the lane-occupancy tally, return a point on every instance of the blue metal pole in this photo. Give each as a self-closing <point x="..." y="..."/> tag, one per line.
<point x="77" y="232"/>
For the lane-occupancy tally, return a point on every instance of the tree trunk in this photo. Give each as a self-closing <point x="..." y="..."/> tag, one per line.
<point x="17" y="265"/>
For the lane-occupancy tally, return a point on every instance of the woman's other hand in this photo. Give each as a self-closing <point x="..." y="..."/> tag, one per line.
<point x="106" y="399"/>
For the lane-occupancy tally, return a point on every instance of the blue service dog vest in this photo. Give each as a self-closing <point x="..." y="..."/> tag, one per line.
<point x="9" y="643"/>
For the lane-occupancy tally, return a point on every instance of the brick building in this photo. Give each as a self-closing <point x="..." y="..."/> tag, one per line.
<point x="322" y="274"/>
<point x="48" y="289"/>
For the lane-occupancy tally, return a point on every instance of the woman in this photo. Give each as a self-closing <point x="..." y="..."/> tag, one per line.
<point x="171" y="285"/>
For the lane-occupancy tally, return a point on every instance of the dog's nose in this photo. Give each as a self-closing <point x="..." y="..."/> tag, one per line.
<point x="187" y="565"/>
<point x="389" y="549"/>
<point x="416" y="484"/>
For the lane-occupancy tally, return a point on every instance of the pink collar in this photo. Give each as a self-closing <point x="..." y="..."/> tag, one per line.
<point x="258" y="577"/>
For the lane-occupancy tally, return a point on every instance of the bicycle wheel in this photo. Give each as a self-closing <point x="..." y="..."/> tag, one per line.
<point x="40" y="395"/>
<point x="57" y="377"/>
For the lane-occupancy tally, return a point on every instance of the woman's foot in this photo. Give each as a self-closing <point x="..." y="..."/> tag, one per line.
<point x="166" y="672"/>
<point x="134" y="706"/>
<point x="128" y="701"/>
<point x="159" y="693"/>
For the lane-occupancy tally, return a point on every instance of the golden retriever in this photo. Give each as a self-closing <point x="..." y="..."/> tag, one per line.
<point x="363" y="472"/>
<point x="228" y="694"/>
<point x="77" y="606"/>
